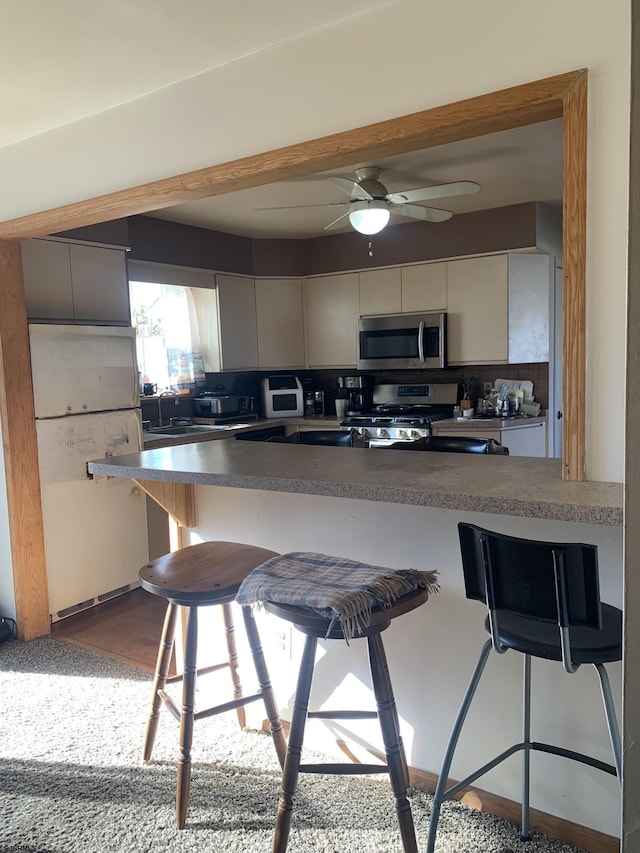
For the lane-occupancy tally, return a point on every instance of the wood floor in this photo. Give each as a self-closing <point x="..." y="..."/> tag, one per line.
<point x="127" y="628"/>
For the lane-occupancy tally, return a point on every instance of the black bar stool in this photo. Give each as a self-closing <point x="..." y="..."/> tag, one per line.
<point x="196" y="576"/>
<point x="333" y="598"/>
<point x="543" y="601"/>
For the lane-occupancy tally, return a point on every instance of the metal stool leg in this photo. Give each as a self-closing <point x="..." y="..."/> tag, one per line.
<point x="160" y="679"/>
<point x="394" y="749"/>
<point x="612" y="720"/>
<point x="440" y="794"/>
<point x="525" y="833"/>
<point x="294" y="749"/>
<point x="187" y="717"/>
<point x="232" y="651"/>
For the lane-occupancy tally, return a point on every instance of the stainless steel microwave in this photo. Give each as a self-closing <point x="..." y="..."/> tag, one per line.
<point x="403" y="342"/>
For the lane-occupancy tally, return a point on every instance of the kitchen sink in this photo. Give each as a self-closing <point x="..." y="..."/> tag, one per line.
<point x="188" y="430"/>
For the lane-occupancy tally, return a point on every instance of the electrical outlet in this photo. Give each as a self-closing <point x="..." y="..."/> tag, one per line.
<point x="282" y="640"/>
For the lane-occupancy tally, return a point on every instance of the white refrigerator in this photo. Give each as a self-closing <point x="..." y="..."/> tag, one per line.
<point x="86" y="394"/>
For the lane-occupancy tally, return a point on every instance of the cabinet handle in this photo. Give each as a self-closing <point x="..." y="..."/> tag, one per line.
<point x="559" y="415"/>
<point x="421" y="342"/>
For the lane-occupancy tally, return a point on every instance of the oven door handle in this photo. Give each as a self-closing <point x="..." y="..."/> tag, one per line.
<point x="421" y="341"/>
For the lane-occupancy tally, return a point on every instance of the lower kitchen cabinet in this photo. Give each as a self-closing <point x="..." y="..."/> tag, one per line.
<point x="522" y="439"/>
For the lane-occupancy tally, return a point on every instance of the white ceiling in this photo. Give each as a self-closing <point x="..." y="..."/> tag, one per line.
<point x="71" y="59"/>
<point x="519" y="165"/>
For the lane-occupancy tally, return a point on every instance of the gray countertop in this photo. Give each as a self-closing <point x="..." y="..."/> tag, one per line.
<point x="518" y="486"/>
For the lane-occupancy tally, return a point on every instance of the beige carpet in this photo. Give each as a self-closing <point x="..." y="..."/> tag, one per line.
<point x="73" y="782"/>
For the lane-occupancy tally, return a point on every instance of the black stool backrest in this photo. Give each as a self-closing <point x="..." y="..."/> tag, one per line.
<point x="547" y="581"/>
<point x="330" y="437"/>
<point x="453" y="444"/>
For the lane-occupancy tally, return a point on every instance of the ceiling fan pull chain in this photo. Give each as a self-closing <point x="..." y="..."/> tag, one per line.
<point x="370" y="249"/>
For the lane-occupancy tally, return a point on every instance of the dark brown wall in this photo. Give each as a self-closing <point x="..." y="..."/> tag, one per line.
<point x="185" y="245"/>
<point x="150" y="239"/>
<point x="499" y="229"/>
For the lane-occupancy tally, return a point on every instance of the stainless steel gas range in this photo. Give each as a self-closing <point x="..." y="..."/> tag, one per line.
<point x="403" y="412"/>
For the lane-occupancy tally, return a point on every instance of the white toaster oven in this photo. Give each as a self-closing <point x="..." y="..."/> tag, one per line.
<point x="282" y="397"/>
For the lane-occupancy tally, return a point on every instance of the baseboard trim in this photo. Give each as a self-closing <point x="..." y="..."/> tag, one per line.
<point x="583" y="837"/>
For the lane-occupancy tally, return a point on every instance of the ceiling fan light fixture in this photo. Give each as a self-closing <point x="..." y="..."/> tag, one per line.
<point x="369" y="216"/>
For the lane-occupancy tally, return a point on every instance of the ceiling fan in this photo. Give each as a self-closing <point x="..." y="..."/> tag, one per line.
<point x="370" y="205"/>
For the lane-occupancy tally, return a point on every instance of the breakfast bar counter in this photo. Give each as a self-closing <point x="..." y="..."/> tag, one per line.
<point x="514" y="486"/>
<point x="398" y="509"/>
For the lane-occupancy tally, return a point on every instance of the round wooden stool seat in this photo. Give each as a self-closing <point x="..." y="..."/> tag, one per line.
<point x="207" y="573"/>
<point x="315" y="625"/>
<point x="196" y="576"/>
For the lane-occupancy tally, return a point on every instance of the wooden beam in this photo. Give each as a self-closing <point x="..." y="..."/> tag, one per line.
<point x="525" y="104"/>
<point x="20" y="449"/>
<point x="574" y="239"/>
<point x="563" y="95"/>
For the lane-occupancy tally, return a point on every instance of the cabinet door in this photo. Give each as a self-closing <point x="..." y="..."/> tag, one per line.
<point x="526" y="441"/>
<point x="528" y="308"/>
<point x="280" y="323"/>
<point x="332" y="308"/>
<point x="100" y="285"/>
<point x="237" y="323"/>
<point x="380" y="291"/>
<point x="424" y="288"/>
<point x="47" y="280"/>
<point x="477" y="313"/>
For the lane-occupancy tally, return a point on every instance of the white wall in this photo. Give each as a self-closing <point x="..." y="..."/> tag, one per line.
<point x="425" y="53"/>
<point x="7" y="596"/>
<point x="433" y="650"/>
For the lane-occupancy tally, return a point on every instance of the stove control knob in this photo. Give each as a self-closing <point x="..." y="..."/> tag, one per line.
<point x="415" y="434"/>
<point x="382" y="433"/>
<point x="402" y="433"/>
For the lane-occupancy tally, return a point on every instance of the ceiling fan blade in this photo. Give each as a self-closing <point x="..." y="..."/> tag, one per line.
<point x="437" y="191"/>
<point x="351" y="188"/>
<point x="301" y="206"/>
<point x="415" y="211"/>
<point x="337" y="223"/>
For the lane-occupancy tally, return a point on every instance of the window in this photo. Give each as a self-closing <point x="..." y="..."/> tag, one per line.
<point x="167" y="338"/>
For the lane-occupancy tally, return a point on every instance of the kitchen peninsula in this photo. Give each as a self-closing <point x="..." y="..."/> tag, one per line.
<point x="402" y="509"/>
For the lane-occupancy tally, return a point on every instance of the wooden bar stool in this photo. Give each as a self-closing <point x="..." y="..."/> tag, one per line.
<point x="196" y="576"/>
<point x="334" y="598"/>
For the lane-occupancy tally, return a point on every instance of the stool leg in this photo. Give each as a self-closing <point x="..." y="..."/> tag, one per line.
<point x="294" y="749"/>
<point x="275" y="724"/>
<point x="232" y="652"/>
<point x="394" y="749"/>
<point x="160" y="679"/>
<point x="525" y="833"/>
<point x="187" y="717"/>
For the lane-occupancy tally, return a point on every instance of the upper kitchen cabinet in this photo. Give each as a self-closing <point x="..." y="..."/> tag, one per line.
<point x="280" y="323"/>
<point x="424" y="288"/>
<point x="380" y="291"/>
<point x="529" y="277"/>
<point x="237" y="322"/>
<point x="498" y="309"/>
<point x="70" y="282"/>
<point x="477" y="310"/>
<point x="332" y="309"/>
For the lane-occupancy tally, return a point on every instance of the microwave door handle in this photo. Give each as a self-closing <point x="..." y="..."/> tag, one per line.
<point x="421" y="342"/>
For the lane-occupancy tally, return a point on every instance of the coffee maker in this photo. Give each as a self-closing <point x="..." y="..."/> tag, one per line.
<point x="358" y="392"/>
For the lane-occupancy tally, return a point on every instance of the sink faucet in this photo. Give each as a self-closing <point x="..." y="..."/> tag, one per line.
<point x="160" y="396"/>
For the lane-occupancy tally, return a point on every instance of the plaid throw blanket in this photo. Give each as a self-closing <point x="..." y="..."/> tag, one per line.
<point x="334" y="587"/>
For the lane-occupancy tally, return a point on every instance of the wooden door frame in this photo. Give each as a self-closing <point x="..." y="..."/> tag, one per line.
<point x="563" y="96"/>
